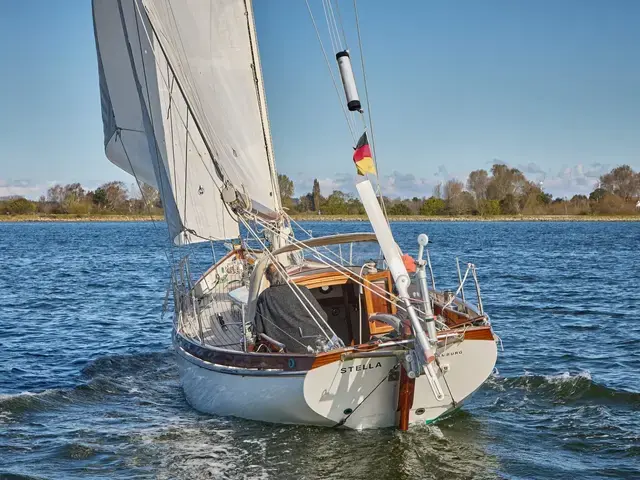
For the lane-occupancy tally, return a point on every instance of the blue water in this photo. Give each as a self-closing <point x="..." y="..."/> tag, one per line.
<point x="89" y="386"/>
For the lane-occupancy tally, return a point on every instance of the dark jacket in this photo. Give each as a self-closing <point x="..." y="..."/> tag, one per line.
<point x="280" y="315"/>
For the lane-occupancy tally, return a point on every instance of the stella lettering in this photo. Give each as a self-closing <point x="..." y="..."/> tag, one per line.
<point x="360" y="368"/>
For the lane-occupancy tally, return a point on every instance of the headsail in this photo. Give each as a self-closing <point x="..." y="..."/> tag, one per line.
<point x="183" y="106"/>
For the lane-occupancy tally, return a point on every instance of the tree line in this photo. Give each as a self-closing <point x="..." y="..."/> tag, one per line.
<point x="108" y="199"/>
<point x="500" y="191"/>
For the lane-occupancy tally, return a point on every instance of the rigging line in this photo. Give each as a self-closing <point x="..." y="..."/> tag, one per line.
<point x="144" y="200"/>
<point x="322" y="256"/>
<point x="366" y="93"/>
<point x="458" y="290"/>
<point x="170" y="119"/>
<point x="335" y="85"/>
<point x="197" y="101"/>
<point x="444" y="377"/>
<point x="329" y="263"/>
<point x="160" y="166"/>
<point x="311" y="236"/>
<point x="186" y="164"/>
<point x="344" y="420"/>
<point x="145" y="113"/>
<point x="293" y="240"/>
<point x="335" y="25"/>
<point x="217" y="166"/>
<point x="344" y="35"/>
<point x="326" y="18"/>
<point x="182" y="120"/>
<point x="334" y="43"/>
<point x="293" y="286"/>
<point x="354" y="277"/>
<point x="261" y="100"/>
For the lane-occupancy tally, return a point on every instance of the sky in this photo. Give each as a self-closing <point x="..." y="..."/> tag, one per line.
<point x="549" y="87"/>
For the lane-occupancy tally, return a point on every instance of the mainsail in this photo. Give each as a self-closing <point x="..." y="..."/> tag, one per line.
<point x="184" y="107"/>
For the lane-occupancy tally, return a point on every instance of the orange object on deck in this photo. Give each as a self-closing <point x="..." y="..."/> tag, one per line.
<point x="409" y="263"/>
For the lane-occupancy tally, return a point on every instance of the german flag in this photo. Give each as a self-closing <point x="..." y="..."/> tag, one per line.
<point x="362" y="156"/>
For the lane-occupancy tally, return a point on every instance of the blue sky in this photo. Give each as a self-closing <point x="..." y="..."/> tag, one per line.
<point x="550" y="87"/>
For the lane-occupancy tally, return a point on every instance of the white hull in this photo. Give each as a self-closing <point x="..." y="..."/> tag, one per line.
<point x="358" y="393"/>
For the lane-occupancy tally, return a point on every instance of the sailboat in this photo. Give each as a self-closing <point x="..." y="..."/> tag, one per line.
<point x="356" y="342"/>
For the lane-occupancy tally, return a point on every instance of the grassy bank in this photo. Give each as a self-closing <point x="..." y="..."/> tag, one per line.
<point x="78" y="218"/>
<point x="473" y="218"/>
<point x="338" y="218"/>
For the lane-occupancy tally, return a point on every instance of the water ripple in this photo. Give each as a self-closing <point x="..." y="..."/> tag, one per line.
<point x="89" y="386"/>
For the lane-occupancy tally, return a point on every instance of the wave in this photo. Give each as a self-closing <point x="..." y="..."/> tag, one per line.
<point x="573" y="326"/>
<point x="126" y="364"/>
<point x="111" y="375"/>
<point x="17" y="476"/>
<point x="568" y="388"/>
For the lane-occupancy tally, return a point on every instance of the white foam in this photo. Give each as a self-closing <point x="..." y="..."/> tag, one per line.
<point x="567" y="377"/>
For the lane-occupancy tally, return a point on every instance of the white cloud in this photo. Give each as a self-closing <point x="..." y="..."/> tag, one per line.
<point x="22" y="188"/>
<point x="576" y="179"/>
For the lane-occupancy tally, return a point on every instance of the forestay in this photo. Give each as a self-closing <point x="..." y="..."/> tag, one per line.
<point x="183" y="106"/>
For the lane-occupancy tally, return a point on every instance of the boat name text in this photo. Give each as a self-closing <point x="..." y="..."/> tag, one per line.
<point x="359" y="368"/>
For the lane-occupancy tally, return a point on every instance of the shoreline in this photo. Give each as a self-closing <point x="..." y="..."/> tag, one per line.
<point x="335" y="218"/>
<point x="79" y="218"/>
<point x="472" y="218"/>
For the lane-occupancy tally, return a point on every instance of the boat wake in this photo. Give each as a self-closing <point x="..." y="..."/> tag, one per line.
<point x="106" y="376"/>
<point x="566" y="388"/>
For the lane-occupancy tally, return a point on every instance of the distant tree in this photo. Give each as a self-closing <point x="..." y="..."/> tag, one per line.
<point x="286" y="187"/>
<point x="509" y="204"/>
<point x="116" y="193"/>
<point x="335" y="204"/>
<point x="55" y="194"/>
<point x="73" y="193"/>
<point x="399" y="208"/>
<point x="611" y="204"/>
<point x="621" y="181"/>
<point x="491" y="207"/>
<point x="433" y="206"/>
<point x="354" y="206"/>
<point x="150" y="196"/>
<point x="316" y="195"/>
<point x="505" y="181"/>
<point x="19" y="206"/>
<point x="580" y="205"/>
<point x="305" y="203"/>
<point x="477" y="184"/>
<point x="598" y="194"/>
<point x="453" y="197"/>
<point x="437" y="191"/>
<point x="100" y="197"/>
<point x="545" y="198"/>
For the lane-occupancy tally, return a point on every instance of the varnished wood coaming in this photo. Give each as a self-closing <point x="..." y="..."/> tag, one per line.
<point x="289" y="362"/>
<point x="378" y="296"/>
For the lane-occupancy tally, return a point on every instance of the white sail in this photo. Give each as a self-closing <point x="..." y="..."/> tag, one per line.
<point x="180" y="83"/>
